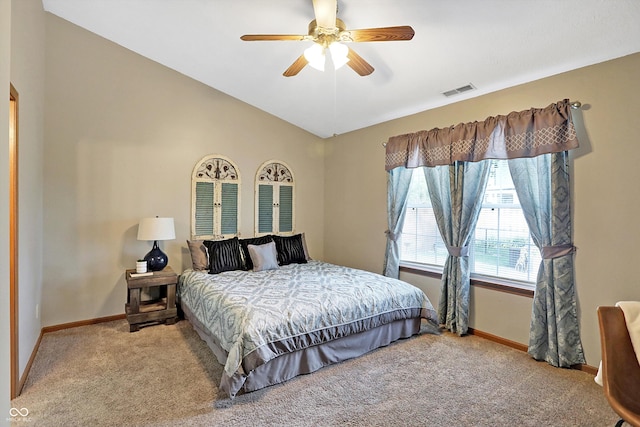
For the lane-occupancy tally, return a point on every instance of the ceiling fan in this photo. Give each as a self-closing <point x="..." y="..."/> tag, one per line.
<point x="329" y="33"/>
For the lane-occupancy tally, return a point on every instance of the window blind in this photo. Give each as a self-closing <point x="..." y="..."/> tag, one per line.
<point x="204" y="208"/>
<point x="265" y="208"/>
<point x="286" y="209"/>
<point x="229" y="208"/>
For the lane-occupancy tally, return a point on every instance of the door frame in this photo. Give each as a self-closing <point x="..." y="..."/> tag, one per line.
<point x="13" y="239"/>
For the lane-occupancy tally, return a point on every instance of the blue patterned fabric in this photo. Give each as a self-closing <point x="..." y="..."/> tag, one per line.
<point x="542" y="185"/>
<point x="456" y="193"/>
<point x="257" y="315"/>
<point x="398" y="181"/>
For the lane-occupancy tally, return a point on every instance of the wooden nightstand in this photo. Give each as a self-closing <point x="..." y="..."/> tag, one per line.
<point x="163" y="310"/>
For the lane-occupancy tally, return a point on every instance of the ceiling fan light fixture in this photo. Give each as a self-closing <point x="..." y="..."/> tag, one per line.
<point x="315" y="56"/>
<point x="339" y="54"/>
<point x="326" y="31"/>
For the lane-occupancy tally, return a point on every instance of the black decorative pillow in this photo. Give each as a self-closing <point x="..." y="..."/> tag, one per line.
<point x="290" y="249"/>
<point x="224" y="255"/>
<point x="244" y="245"/>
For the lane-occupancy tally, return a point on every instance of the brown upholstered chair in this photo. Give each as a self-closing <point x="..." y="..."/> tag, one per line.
<point x="620" y="368"/>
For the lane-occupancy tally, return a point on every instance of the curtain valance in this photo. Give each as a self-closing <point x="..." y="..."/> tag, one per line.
<point x="526" y="133"/>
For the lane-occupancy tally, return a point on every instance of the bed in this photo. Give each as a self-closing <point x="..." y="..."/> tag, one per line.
<point x="269" y="326"/>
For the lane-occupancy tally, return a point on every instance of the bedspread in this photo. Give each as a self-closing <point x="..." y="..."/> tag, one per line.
<point x="256" y="316"/>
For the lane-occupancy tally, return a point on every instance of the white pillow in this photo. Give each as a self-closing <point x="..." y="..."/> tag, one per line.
<point x="264" y="257"/>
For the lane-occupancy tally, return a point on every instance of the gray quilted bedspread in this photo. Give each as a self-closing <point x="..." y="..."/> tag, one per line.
<point x="297" y="304"/>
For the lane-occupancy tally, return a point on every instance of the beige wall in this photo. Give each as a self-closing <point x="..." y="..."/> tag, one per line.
<point x="5" y="62"/>
<point x="122" y="137"/>
<point x="605" y="196"/>
<point x="123" y="134"/>
<point x="27" y="76"/>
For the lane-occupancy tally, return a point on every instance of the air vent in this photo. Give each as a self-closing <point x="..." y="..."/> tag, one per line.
<point x="461" y="89"/>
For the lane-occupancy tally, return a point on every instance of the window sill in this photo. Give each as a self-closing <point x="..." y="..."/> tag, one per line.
<point x="506" y="287"/>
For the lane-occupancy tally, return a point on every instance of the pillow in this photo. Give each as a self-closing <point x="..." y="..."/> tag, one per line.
<point x="199" y="255"/>
<point x="264" y="257"/>
<point x="224" y="255"/>
<point x="290" y="249"/>
<point x="248" y="264"/>
<point x="304" y="246"/>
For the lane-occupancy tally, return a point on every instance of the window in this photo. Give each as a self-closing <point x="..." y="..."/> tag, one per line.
<point x="214" y="198"/>
<point x="502" y="247"/>
<point x="274" y="199"/>
<point x="420" y="240"/>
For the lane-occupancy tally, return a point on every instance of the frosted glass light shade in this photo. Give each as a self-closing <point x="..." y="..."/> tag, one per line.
<point x="339" y="54"/>
<point x="315" y="56"/>
<point x="156" y="229"/>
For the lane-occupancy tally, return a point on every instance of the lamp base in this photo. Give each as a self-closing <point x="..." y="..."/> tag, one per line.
<point x="156" y="259"/>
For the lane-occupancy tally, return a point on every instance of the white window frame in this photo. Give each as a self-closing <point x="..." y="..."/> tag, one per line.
<point x="283" y="178"/>
<point x="219" y="170"/>
<point x="482" y="278"/>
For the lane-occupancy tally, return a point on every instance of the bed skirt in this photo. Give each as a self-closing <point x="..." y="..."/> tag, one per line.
<point x="310" y="359"/>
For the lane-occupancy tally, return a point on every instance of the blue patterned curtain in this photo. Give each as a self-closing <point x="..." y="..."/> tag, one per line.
<point x="456" y="193"/>
<point x="398" y="181"/>
<point x="542" y="185"/>
<point x="535" y="141"/>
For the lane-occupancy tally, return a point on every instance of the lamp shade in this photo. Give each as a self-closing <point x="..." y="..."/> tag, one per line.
<point x="156" y="229"/>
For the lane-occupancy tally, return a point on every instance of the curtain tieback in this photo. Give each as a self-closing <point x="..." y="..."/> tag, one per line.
<point x="392" y="236"/>
<point x="550" y="252"/>
<point x="458" y="250"/>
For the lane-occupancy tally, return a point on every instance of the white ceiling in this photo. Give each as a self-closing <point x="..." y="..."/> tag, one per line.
<point x="492" y="44"/>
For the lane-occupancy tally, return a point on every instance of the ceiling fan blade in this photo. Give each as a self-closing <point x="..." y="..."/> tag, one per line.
<point x="385" y="34"/>
<point x="295" y="68"/>
<point x="272" y="37"/>
<point x="325" y="11"/>
<point x="358" y="64"/>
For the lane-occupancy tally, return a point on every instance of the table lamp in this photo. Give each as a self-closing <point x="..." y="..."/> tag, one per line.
<point x="156" y="229"/>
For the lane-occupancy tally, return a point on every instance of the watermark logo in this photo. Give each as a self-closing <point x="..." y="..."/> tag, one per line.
<point x="15" y="412"/>
<point x="19" y="415"/>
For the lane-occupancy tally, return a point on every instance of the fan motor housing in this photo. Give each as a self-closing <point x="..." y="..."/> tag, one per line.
<point x="322" y="35"/>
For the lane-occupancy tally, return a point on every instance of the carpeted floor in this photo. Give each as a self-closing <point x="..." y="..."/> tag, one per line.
<point x="102" y="375"/>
